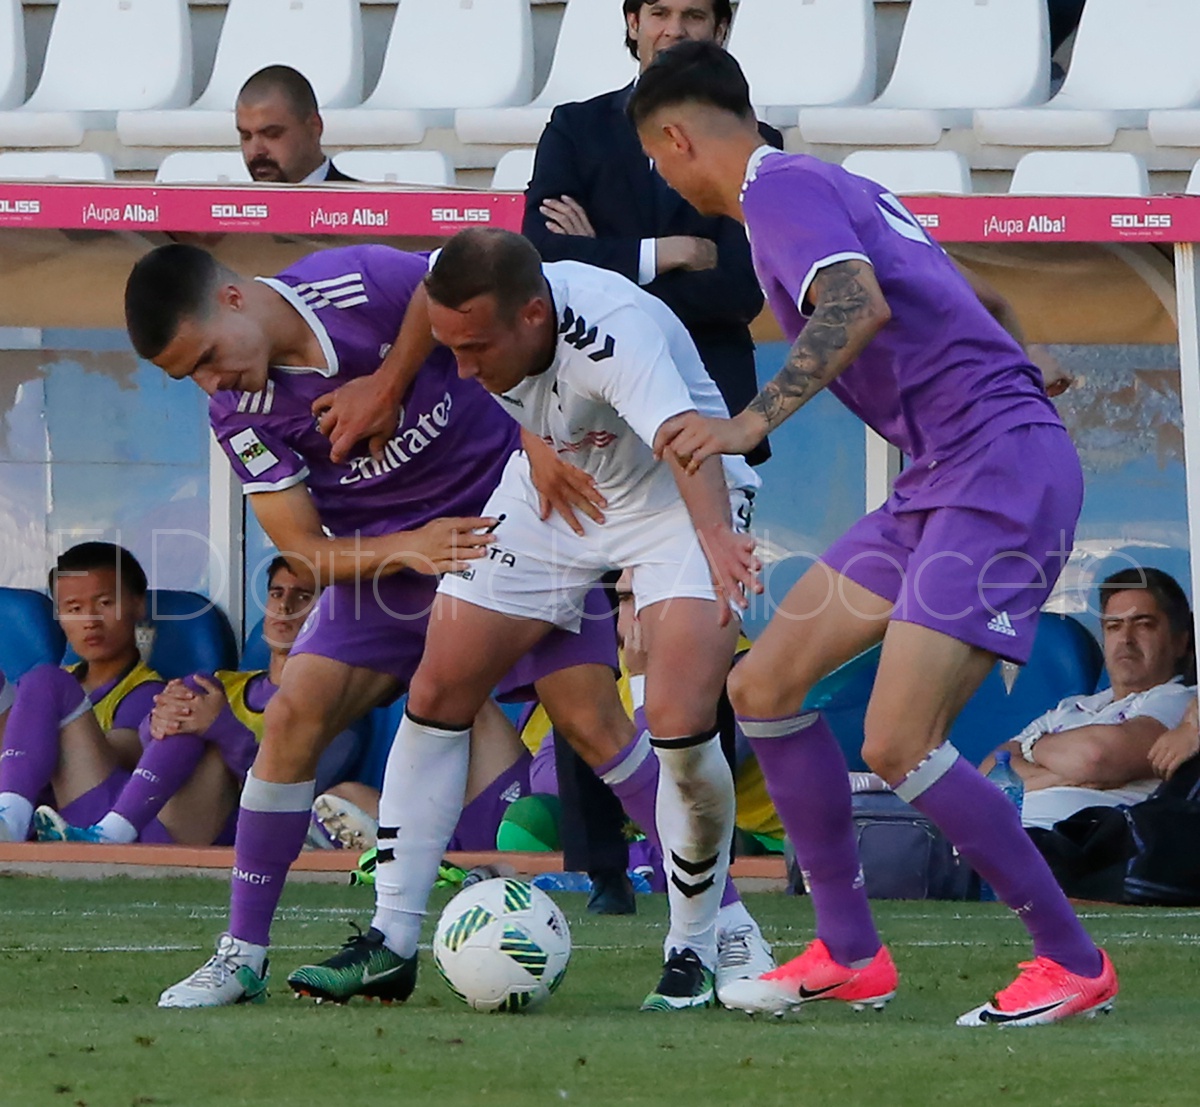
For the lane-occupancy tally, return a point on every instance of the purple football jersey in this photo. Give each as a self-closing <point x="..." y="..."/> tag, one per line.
<point x="452" y="441"/>
<point x="942" y="376"/>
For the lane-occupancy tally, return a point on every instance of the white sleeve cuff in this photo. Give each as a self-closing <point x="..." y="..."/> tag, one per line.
<point x="648" y="261"/>
<point x="817" y="266"/>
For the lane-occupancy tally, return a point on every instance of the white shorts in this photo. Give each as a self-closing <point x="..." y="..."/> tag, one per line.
<point x="542" y="569"/>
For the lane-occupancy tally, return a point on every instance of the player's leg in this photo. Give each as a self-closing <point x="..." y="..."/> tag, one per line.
<point x="197" y="813"/>
<point x="52" y="738"/>
<point x="467" y="650"/>
<point x="318" y="697"/>
<point x="825" y="620"/>
<point x="924" y="680"/>
<point x="688" y="660"/>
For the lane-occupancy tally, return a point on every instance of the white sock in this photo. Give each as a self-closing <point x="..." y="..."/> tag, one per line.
<point x="15" y="812"/>
<point x="695" y="819"/>
<point x="117" y="828"/>
<point x="423" y="788"/>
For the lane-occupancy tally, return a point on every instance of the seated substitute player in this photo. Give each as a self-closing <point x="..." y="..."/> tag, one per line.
<point x="950" y="573"/>
<point x="597" y="367"/>
<point x="377" y="530"/>
<point x="72" y="733"/>
<point x="1111" y="748"/>
<point x="199" y="740"/>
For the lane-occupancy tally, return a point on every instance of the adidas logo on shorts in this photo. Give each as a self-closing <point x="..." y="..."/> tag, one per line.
<point x="1001" y="624"/>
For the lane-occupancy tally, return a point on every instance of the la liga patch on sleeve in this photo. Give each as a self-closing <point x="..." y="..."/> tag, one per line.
<point x="252" y="452"/>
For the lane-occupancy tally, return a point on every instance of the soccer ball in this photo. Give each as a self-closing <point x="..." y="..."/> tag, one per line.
<point x="502" y="945"/>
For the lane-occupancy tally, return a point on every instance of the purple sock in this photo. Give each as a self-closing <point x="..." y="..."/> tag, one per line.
<point x="47" y="699"/>
<point x="633" y="777"/>
<point x="164" y="766"/>
<point x="94" y="804"/>
<point x="807" y="780"/>
<point x="986" y="829"/>
<point x="480" y="819"/>
<point x="272" y="824"/>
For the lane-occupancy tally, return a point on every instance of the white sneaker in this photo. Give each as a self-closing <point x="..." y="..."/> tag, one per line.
<point x="224" y="979"/>
<point x="742" y="954"/>
<point x="344" y="824"/>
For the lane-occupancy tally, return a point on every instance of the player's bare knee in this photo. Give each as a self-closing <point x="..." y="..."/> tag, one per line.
<point x="678" y="716"/>
<point x="294" y="736"/>
<point x="757" y="695"/>
<point x="894" y="753"/>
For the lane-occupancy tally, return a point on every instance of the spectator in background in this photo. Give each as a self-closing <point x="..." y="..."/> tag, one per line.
<point x="198" y="742"/>
<point x="1114" y="747"/>
<point x="595" y="197"/>
<point x="1064" y="18"/>
<point x="73" y="731"/>
<point x="280" y="129"/>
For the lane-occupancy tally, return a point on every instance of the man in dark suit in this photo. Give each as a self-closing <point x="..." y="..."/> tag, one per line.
<point x="594" y="197"/>
<point x="280" y="129"/>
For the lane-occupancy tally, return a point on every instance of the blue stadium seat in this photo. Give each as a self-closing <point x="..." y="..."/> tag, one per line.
<point x="255" y="654"/>
<point x="29" y="635"/>
<point x="191" y="634"/>
<point x="1065" y="661"/>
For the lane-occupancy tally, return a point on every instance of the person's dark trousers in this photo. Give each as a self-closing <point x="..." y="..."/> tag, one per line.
<point x="1064" y="18"/>
<point x="592" y="829"/>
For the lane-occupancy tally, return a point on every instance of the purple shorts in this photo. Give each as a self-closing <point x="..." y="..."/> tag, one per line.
<point x="381" y="625"/>
<point x="973" y="548"/>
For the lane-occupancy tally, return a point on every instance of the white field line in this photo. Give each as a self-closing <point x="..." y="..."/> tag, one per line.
<point x="935" y="943"/>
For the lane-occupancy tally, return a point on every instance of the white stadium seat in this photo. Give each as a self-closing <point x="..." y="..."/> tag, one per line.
<point x="912" y="172"/>
<point x="1080" y="173"/>
<point x="954" y="56"/>
<point x="203" y="167"/>
<point x="441" y="56"/>
<point x="1128" y="58"/>
<point x="1175" y="127"/>
<point x="822" y="52"/>
<point x="104" y="56"/>
<point x="12" y="53"/>
<point x="1193" y="184"/>
<point x="514" y="171"/>
<point x="55" y="165"/>
<point x="590" y="58"/>
<point x="320" y="38"/>
<point x="412" y="167"/>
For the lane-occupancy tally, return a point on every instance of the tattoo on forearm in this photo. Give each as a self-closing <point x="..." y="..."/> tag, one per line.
<point x="843" y="301"/>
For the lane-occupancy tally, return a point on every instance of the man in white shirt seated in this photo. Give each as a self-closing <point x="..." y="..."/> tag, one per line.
<point x="1116" y="746"/>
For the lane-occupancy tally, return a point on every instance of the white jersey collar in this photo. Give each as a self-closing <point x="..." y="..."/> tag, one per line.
<point x="315" y="324"/>
<point x="755" y="161"/>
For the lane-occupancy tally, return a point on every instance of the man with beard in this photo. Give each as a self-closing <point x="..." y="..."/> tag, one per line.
<point x="280" y="129"/>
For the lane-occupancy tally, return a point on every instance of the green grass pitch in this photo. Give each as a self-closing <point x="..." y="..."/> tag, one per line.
<point x="81" y="965"/>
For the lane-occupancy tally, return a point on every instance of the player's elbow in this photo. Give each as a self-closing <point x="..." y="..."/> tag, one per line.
<point x="877" y="313"/>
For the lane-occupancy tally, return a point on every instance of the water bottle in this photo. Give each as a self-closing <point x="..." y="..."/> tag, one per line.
<point x="1004" y="777"/>
<point x="562" y="882"/>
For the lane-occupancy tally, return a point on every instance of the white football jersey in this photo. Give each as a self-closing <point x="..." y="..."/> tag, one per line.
<point x="623" y="366"/>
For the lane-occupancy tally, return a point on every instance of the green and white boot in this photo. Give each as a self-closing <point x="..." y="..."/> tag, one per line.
<point x="364" y="966"/>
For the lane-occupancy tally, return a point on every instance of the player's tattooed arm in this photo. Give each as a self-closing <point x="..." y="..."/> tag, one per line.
<point x="849" y="309"/>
